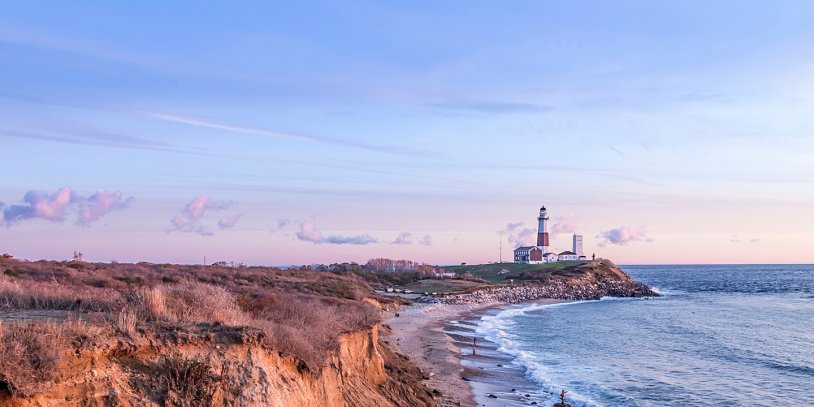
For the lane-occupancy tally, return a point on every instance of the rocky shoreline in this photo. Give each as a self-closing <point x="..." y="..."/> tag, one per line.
<point x="512" y="294"/>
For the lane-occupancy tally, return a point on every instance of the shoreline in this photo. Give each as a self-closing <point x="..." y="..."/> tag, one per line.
<point x="438" y="339"/>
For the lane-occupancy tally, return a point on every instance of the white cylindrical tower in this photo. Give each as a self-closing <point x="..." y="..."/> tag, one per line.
<point x="542" y="230"/>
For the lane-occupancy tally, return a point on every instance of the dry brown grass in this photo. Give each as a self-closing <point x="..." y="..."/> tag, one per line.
<point x="152" y="303"/>
<point x="302" y="311"/>
<point x="126" y="321"/>
<point x="308" y="326"/>
<point x="198" y="302"/>
<point x="28" y="294"/>
<point x="30" y="351"/>
<point x="189" y="302"/>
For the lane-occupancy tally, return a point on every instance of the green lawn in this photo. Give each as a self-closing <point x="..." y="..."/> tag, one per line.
<point x="441" y="286"/>
<point x="492" y="272"/>
<point x="496" y="273"/>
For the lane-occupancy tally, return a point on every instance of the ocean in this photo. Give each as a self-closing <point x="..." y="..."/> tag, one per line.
<point x="722" y="335"/>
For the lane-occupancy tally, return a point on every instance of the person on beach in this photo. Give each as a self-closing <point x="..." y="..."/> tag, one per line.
<point x="562" y="400"/>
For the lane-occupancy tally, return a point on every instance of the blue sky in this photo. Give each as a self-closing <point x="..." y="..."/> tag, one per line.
<point x="688" y="125"/>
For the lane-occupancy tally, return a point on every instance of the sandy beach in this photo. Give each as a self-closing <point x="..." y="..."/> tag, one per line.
<point x="439" y="339"/>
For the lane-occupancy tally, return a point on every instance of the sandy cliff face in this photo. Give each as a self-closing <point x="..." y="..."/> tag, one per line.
<point x="362" y="372"/>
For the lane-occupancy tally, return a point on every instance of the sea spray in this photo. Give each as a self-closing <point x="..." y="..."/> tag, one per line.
<point x="497" y="329"/>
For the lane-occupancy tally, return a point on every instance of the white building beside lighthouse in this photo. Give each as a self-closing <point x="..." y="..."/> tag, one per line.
<point x="577" y="245"/>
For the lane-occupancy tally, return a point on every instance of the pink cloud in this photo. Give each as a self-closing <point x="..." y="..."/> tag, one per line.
<point x="564" y="224"/>
<point x="513" y="226"/>
<point x="403" y="238"/>
<point x="55" y="207"/>
<point x="517" y="235"/>
<point x="229" y="222"/>
<point x="623" y="235"/>
<point x="196" y="208"/>
<point x="101" y="203"/>
<point x="309" y="233"/>
<point x="426" y="240"/>
<point x="738" y="239"/>
<point x="194" y="212"/>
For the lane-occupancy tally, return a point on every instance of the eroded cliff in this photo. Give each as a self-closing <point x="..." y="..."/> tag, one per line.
<point x="218" y="365"/>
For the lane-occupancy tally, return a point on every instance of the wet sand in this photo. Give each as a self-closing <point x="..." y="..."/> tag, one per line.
<point x="438" y="338"/>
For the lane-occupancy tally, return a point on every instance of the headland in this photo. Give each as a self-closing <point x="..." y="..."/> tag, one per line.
<point x="439" y="332"/>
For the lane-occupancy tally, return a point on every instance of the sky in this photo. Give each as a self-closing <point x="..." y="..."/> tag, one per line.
<point x="278" y="133"/>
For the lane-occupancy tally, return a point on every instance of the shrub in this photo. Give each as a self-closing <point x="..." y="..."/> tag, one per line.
<point x="152" y="304"/>
<point x="308" y="326"/>
<point x="126" y="321"/>
<point x="189" y="302"/>
<point x="189" y="381"/>
<point x="200" y="302"/>
<point x="29" y="352"/>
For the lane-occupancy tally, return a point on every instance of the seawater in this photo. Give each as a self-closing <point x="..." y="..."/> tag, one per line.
<point x="722" y="335"/>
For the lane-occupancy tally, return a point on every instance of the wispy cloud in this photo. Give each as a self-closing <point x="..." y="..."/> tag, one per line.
<point x="564" y="224"/>
<point x="606" y="172"/>
<point x="281" y="224"/>
<point x="513" y="226"/>
<point x="55" y="207"/>
<point x="282" y="134"/>
<point x="616" y="150"/>
<point x="490" y="107"/>
<point x="101" y="203"/>
<point x="229" y="222"/>
<point x="403" y="239"/>
<point x="191" y="219"/>
<point x="86" y="137"/>
<point x="517" y="234"/>
<point x="425" y="240"/>
<point x="739" y="239"/>
<point x="95" y="51"/>
<point x="309" y="233"/>
<point x="623" y="235"/>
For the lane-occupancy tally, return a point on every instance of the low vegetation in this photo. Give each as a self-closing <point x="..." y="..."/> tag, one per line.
<point x="30" y="351"/>
<point x="502" y="273"/>
<point x="49" y="309"/>
<point x="187" y="381"/>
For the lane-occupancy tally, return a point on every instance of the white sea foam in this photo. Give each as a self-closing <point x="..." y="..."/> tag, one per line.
<point x="667" y="293"/>
<point x="496" y="328"/>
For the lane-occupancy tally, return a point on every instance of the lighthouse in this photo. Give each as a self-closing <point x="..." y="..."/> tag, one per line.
<point x="542" y="230"/>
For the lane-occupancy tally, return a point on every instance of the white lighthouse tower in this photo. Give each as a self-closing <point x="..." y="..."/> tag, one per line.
<point x="542" y="230"/>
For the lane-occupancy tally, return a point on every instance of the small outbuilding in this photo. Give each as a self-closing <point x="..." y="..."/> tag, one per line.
<point x="528" y="254"/>
<point x="567" y="255"/>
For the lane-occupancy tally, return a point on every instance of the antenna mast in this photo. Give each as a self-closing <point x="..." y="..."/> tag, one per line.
<point x="501" y="247"/>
